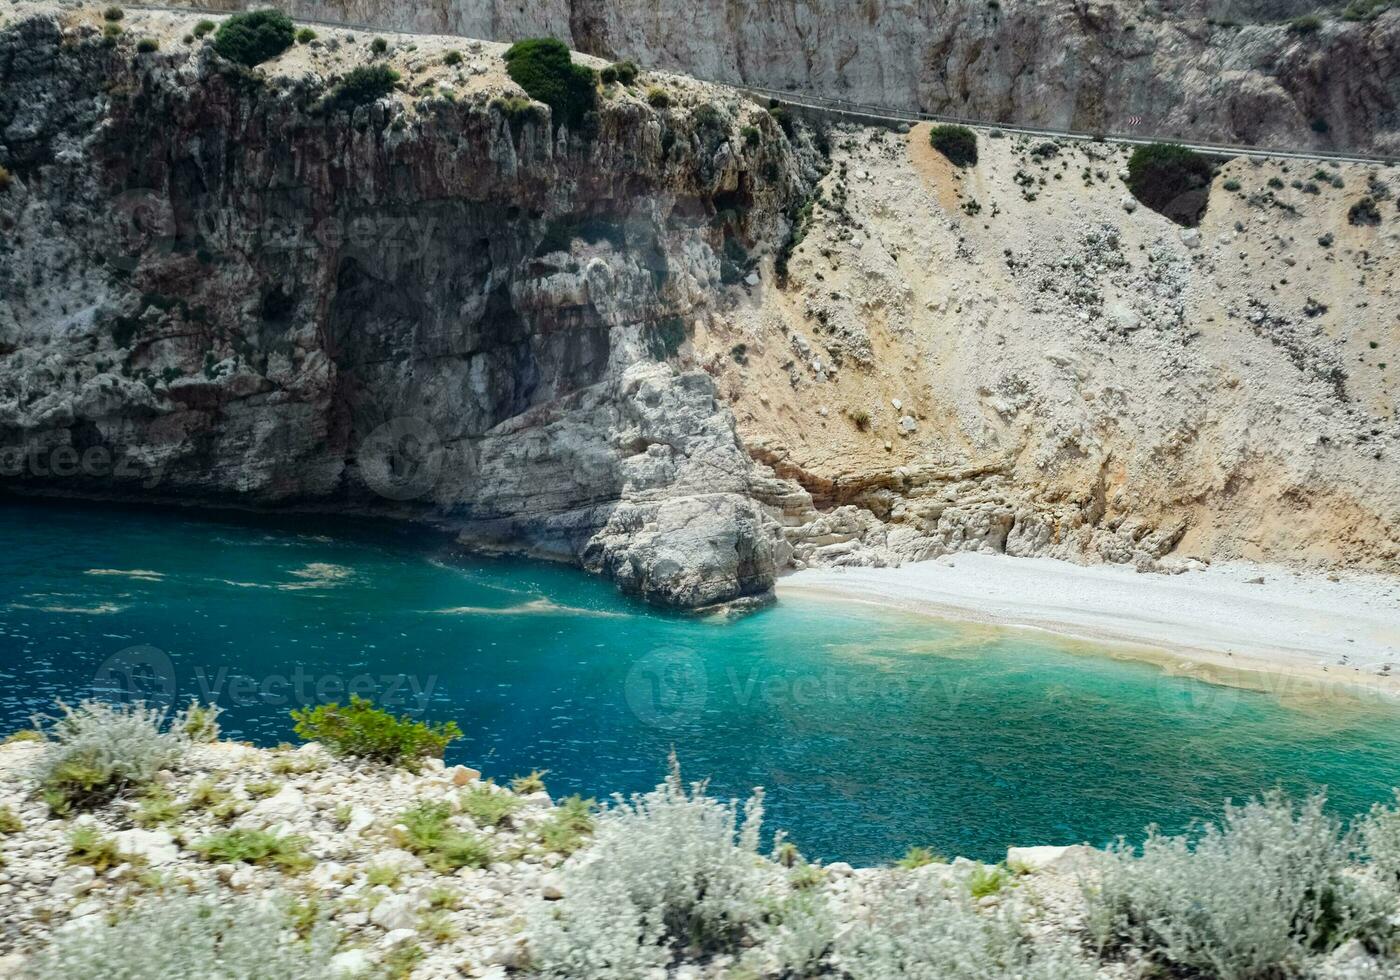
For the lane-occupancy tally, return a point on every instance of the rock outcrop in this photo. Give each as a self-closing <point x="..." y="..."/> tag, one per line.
<point x="220" y="289"/>
<point x="1222" y="70"/>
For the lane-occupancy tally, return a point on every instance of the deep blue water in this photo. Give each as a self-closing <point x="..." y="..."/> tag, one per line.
<point x="870" y="730"/>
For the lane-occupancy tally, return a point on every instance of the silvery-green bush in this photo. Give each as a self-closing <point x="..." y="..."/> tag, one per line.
<point x="189" y="938"/>
<point x="1256" y="897"/>
<point x="926" y="928"/>
<point x="667" y="870"/>
<point x="1380" y="840"/>
<point x="97" y="749"/>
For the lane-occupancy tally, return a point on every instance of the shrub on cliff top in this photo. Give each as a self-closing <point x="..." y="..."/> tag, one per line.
<point x="544" y="68"/>
<point x="1171" y="180"/>
<point x="360" y="729"/>
<point x="364" y="85"/>
<point x="252" y="38"/>
<point x="98" y="750"/>
<point x="957" y="143"/>
<point x="5" y="178"/>
<point x="187" y="936"/>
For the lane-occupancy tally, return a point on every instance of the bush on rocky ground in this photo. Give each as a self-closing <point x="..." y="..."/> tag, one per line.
<point x="361" y="730"/>
<point x="544" y="68"/>
<point x="252" y="38"/>
<point x="924" y="929"/>
<point x="1256" y="896"/>
<point x="1171" y="180"/>
<point x="667" y="870"/>
<point x="97" y="751"/>
<point x="363" y="85"/>
<point x="190" y="938"/>
<point x="957" y="143"/>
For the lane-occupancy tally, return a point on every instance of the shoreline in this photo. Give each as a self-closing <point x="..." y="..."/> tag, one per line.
<point x="1295" y="633"/>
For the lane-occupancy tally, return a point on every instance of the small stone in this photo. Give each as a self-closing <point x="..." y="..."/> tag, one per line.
<point x="461" y="775"/>
<point x="897" y="404"/>
<point x="351" y="963"/>
<point x="73" y="882"/>
<point x="155" y="847"/>
<point x="395" y="936"/>
<point x="360" y="819"/>
<point x="752" y="279"/>
<point x="840" y="869"/>
<point x="550" y="889"/>
<point x="90" y="907"/>
<point x="907" y="424"/>
<point x="1191" y="238"/>
<point x="395" y="913"/>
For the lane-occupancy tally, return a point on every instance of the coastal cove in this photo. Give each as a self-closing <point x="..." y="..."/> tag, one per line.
<point x="872" y="729"/>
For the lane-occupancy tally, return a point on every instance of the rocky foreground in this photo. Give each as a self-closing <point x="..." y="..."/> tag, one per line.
<point x="391" y="908"/>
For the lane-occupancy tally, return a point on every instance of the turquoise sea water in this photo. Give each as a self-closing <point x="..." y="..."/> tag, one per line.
<point x="870" y="730"/>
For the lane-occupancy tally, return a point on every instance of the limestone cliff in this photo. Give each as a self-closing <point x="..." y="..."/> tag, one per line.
<point x="1221" y="70"/>
<point x="689" y="348"/>
<point x="218" y="288"/>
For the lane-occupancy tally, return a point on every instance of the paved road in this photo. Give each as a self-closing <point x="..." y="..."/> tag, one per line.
<point x="863" y="111"/>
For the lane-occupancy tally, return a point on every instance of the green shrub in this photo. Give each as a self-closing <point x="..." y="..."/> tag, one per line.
<point x="658" y="97"/>
<point x="23" y="734"/>
<point x="544" y="68"/>
<point x="752" y="135"/>
<point x="157" y="808"/>
<point x="360" y="729"/>
<point x="986" y="880"/>
<point x="627" y="71"/>
<point x="111" y="32"/>
<point x="518" y="110"/>
<point x="1366" y="9"/>
<point x="1171" y="180"/>
<point x="147" y="45"/>
<point x="113" y="13"/>
<point x="957" y="143"/>
<point x="1253" y="898"/>
<point x="240" y="846"/>
<point x="428" y="833"/>
<point x="379" y="45"/>
<point x="1307" y="24"/>
<point x="214" y="938"/>
<point x="1231" y="185"/>
<point x="452" y="58"/>
<point x="305" y="36"/>
<point x="87" y="846"/>
<point x="608" y="76"/>
<point x="252" y="38"/>
<point x="9" y="822"/>
<point x="1364" y="212"/>
<point x="564" y="831"/>
<point x="532" y="783"/>
<point x="5" y="179"/>
<point x="489" y="807"/>
<point x="98" y="750"/>
<point x="917" y="857"/>
<point x="204" y="27"/>
<point x="363" y="85"/>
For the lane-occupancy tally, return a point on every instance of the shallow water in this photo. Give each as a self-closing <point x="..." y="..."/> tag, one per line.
<point x="871" y="730"/>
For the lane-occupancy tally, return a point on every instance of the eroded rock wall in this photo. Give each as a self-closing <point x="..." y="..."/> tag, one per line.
<point x="218" y="290"/>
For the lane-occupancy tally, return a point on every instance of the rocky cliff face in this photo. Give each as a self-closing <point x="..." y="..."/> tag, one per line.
<point x="1222" y="70"/>
<point x="438" y="306"/>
